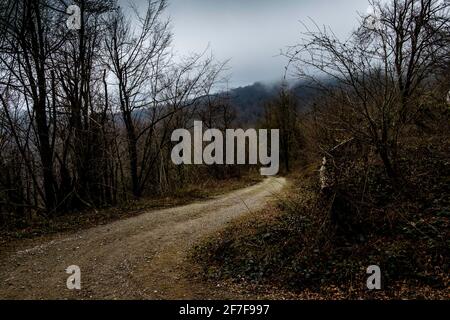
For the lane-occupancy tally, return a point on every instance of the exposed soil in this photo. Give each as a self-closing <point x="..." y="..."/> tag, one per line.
<point x="144" y="257"/>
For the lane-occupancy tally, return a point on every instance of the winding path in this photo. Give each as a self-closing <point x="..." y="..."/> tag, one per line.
<point x="143" y="257"/>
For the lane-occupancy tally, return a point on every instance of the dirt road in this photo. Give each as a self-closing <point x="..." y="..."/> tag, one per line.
<point x="143" y="257"/>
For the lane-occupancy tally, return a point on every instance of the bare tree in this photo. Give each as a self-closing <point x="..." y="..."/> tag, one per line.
<point x="85" y="112"/>
<point x="151" y="86"/>
<point x="378" y="77"/>
<point x="27" y="43"/>
<point x="281" y="113"/>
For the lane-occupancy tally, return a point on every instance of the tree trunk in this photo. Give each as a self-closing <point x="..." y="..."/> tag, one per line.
<point x="390" y="171"/>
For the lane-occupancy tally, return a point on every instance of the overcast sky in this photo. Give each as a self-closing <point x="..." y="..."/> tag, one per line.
<point x="252" y="32"/>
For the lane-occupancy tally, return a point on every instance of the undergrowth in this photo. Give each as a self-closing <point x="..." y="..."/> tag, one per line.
<point x="316" y="241"/>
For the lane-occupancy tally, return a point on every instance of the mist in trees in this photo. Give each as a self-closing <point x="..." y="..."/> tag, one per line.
<point x="381" y="81"/>
<point x="86" y="115"/>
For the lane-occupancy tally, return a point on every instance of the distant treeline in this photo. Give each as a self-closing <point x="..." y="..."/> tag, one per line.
<point x="86" y="115"/>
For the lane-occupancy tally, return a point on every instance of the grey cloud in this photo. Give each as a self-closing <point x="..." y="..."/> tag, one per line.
<point x="252" y="32"/>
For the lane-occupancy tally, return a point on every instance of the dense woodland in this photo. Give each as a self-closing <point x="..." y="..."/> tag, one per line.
<point x="86" y="118"/>
<point x="368" y="148"/>
<point x="86" y="115"/>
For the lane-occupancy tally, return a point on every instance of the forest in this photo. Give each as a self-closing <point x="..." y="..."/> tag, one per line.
<point x="87" y="115"/>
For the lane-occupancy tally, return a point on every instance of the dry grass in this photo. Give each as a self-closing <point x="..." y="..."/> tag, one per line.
<point x="294" y="250"/>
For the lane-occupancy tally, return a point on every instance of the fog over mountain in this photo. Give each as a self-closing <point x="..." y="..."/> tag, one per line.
<point x="250" y="101"/>
<point x="251" y="33"/>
